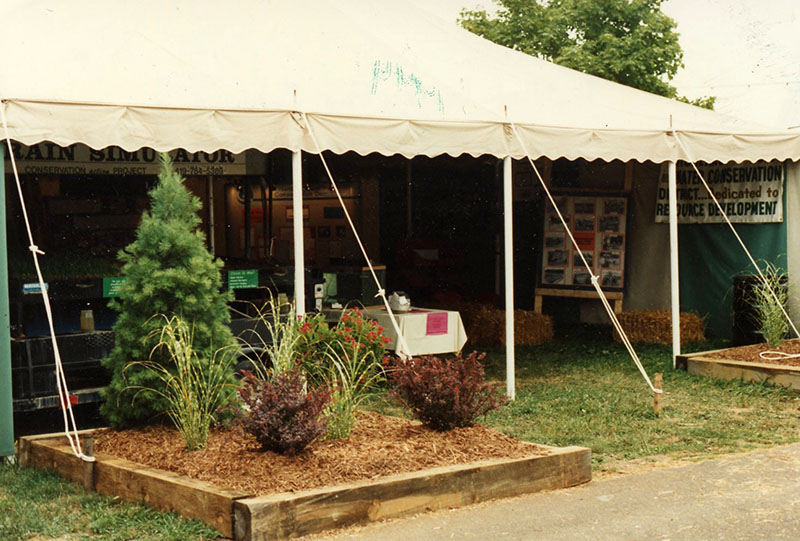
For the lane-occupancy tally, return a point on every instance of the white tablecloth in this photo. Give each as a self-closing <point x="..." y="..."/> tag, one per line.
<point x="427" y="332"/>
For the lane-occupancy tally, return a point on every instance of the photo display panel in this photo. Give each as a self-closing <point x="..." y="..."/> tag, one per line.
<point x="598" y="225"/>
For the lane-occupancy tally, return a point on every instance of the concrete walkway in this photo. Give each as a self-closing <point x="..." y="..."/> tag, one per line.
<point x="748" y="496"/>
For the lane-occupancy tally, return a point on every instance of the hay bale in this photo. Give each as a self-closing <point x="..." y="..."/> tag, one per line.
<point x="655" y="327"/>
<point x="486" y="326"/>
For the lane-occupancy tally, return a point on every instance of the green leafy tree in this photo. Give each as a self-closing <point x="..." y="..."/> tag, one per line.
<point x="169" y="272"/>
<point x="631" y="42"/>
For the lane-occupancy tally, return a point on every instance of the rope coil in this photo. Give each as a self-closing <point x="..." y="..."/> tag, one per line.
<point x="778" y="355"/>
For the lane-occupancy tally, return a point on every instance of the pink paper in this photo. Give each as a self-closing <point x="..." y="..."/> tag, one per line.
<point x="437" y="323"/>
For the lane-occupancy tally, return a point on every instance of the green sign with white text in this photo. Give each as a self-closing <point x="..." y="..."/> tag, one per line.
<point x="241" y="279"/>
<point x="111" y="286"/>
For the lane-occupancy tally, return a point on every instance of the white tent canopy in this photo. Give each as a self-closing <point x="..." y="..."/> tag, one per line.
<point x="367" y="75"/>
<point x="372" y="76"/>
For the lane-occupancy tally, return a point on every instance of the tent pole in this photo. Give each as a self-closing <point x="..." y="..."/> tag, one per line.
<point x="673" y="262"/>
<point x="210" y="203"/>
<point x="508" y="233"/>
<point x="297" y="209"/>
<point x="409" y="202"/>
<point x="6" y="400"/>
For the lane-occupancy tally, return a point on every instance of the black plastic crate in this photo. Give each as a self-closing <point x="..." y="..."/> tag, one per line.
<point x="33" y="362"/>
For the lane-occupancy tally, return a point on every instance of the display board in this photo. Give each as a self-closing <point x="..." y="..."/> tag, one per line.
<point x="598" y="224"/>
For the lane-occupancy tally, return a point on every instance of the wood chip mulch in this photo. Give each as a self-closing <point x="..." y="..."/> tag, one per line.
<point x="378" y="446"/>
<point x="751" y="353"/>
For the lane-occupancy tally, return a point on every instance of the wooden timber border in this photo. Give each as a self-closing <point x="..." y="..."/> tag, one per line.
<point x="243" y="516"/>
<point x="775" y="374"/>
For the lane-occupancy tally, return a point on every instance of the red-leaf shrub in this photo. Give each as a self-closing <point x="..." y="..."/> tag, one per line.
<point x="282" y="416"/>
<point x="444" y="393"/>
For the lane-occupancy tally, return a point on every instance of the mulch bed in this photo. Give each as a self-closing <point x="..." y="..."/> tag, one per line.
<point x="378" y="446"/>
<point x="751" y="353"/>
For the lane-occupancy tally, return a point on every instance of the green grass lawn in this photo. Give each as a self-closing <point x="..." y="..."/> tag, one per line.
<point x="41" y="505"/>
<point x="583" y="389"/>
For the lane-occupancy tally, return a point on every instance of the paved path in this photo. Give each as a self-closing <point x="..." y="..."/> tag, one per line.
<point x="748" y="496"/>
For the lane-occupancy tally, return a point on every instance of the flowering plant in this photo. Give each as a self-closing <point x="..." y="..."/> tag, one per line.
<point x="352" y="333"/>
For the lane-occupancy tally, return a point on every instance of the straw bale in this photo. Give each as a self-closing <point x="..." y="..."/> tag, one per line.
<point x="655" y="327"/>
<point x="486" y="326"/>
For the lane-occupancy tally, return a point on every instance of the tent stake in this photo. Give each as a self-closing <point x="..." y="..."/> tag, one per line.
<point x="658" y="383"/>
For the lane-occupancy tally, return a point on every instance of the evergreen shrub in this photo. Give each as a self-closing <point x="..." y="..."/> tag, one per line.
<point x="168" y="271"/>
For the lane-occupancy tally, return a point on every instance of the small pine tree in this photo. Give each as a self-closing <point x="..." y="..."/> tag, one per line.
<point x="168" y="272"/>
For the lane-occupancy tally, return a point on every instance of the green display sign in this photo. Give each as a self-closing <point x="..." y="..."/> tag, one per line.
<point x="241" y="279"/>
<point x="111" y="286"/>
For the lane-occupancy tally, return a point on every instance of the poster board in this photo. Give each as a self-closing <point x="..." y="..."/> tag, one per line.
<point x="598" y="224"/>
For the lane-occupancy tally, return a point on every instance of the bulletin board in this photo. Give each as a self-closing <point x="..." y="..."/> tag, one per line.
<point x="598" y="224"/>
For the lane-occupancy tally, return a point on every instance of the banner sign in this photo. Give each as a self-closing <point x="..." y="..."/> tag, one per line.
<point x="747" y="192"/>
<point x="77" y="159"/>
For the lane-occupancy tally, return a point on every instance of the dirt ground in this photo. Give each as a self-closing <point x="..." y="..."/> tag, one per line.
<point x="378" y="446"/>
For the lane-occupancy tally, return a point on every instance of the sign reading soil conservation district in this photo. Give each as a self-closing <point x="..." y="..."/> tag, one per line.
<point x="747" y="193"/>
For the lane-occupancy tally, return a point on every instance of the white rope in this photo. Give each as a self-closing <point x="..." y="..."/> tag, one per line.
<point x="611" y="314"/>
<point x="736" y="234"/>
<point x="61" y="381"/>
<point x="778" y="355"/>
<point x="402" y="347"/>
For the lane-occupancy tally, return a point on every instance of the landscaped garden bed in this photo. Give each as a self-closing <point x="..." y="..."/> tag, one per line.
<point x="387" y="467"/>
<point x="746" y="363"/>
<point x="298" y="456"/>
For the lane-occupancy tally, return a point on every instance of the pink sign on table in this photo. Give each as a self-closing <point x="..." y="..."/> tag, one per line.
<point x="437" y="323"/>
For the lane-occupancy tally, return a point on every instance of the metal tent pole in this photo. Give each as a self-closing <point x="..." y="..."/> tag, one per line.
<point x="409" y="201"/>
<point x="673" y="261"/>
<point x="297" y="208"/>
<point x="211" y="225"/>
<point x="6" y="400"/>
<point x="508" y="234"/>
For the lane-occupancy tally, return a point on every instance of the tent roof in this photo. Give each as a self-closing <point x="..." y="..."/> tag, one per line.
<point x="371" y="76"/>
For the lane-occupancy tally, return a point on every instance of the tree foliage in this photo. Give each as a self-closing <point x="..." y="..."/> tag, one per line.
<point x="628" y="41"/>
<point x="168" y="272"/>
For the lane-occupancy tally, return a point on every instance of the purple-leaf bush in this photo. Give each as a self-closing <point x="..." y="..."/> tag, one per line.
<point x="281" y="414"/>
<point x="444" y="393"/>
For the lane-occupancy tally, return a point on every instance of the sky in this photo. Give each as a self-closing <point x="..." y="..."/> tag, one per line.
<point x="744" y="52"/>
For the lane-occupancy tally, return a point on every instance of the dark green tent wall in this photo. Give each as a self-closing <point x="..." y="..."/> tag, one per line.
<point x="710" y="256"/>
